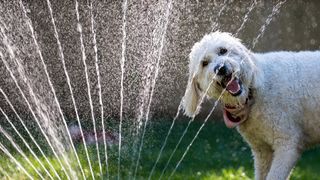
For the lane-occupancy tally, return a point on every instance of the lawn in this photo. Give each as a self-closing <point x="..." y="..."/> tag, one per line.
<point x="217" y="153"/>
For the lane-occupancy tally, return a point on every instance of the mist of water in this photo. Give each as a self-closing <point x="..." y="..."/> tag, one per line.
<point x="51" y="120"/>
<point x="169" y="7"/>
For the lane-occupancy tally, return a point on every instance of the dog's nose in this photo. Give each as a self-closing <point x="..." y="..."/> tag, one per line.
<point x="220" y="70"/>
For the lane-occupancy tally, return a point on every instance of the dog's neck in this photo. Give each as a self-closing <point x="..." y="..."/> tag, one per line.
<point x="243" y="110"/>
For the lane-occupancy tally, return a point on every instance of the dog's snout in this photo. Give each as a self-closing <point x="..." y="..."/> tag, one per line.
<point x="221" y="69"/>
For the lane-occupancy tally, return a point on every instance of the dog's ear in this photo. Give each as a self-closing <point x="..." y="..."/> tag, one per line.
<point x="191" y="98"/>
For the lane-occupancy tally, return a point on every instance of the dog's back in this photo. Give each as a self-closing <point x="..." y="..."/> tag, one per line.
<point x="290" y="87"/>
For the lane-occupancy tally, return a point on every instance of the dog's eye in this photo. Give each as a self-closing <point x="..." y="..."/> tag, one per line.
<point x="205" y="63"/>
<point x="222" y="51"/>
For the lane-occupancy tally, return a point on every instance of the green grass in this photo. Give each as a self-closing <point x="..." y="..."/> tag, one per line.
<point x="218" y="153"/>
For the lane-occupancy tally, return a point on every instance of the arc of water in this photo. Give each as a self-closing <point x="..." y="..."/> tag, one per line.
<point x="191" y="120"/>
<point x="84" y="58"/>
<point x="169" y="9"/>
<point x="123" y="53"/>
<point x="28" y="132"/>
<point x="165" y="141"/>
<point x="138" y="126"/>
<point x="32" y="112"/>
<point x="70" y="88"/>
<point x="196" y="135"/>
<point x="17" y="147"/>
<point x="223" y="7"/>
<point x="25" y="142"/>
<point x="139" y="122"/>
<point x="7" y="152"/>
<point x="186" y="129"/>
<point x="99" y="86"/>
<point x="275" y="10"/>
<point x="254" y="3"/>
<point x="198" y="106"/>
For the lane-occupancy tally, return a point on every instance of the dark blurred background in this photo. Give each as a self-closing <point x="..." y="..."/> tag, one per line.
<point x="294" y="28"/>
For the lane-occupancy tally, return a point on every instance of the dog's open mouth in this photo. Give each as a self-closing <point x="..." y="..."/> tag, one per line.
<point x="232" y="84"/>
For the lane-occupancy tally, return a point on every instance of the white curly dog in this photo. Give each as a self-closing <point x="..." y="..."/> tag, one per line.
<point x="273" y="99"/>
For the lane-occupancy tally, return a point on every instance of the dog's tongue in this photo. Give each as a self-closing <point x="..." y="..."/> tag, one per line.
<point x="230" y="121"/>
<point x="233" y="86"/>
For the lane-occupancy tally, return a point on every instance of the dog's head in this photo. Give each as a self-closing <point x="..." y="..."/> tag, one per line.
<point x="219" y="61"/>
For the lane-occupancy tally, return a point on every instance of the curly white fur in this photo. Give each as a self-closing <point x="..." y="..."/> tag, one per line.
<point x="283" y="116"/>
